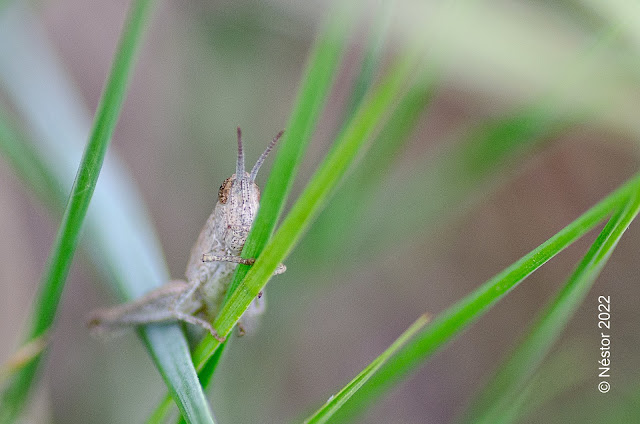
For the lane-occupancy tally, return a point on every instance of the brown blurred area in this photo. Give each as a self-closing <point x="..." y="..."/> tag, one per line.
<point x="207" y="67"/>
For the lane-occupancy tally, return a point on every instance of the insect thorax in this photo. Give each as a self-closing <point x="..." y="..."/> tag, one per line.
<point x="238" y="202"/>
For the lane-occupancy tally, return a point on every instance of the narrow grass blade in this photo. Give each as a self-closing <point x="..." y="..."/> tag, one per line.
<point x="313" y="198"/>
<point x="206" y="374"/>
<point x="322" y="66"/>
<point x="335" y="402"/>
<point x="451" y="322"/>
<point x="321" y="69"/>
<point x="371" y="60"/>
<point x="119" y="235"/>
<point x="337" y="228"/>
<point x="440" y="186"/>
<point x="445" y="182"/>
<point x="343" y="154"/>
<point x="88" y="172"/>
<point x="527" y="357"/>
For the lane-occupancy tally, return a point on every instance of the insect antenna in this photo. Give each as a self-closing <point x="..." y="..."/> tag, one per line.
<point x="240" y="164"/>
<point x="263" y="156"/>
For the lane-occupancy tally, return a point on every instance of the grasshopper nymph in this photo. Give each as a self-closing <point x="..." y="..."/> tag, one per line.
<point x="213" y="260"/>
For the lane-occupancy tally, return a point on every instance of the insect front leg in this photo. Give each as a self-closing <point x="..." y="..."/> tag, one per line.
<point x="207" y="257"/>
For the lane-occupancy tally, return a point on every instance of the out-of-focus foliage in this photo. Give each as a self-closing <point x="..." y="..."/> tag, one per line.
<point x="526" y="118"/>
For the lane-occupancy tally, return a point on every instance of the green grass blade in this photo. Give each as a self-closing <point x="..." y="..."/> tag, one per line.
<point x="444" y="183"/>
<point x="334" y="403"/>
<point x="170" y="352"/>
<point x="84" y="185"/>
<point x="322" y="66"/>
<point x="311" y="201"/>
<point x="459" y="316"/>
<point x="337" y="229"/>
<point x="173" y="359"/>
<point x="206" y="374"/>
<point x="321" y="69"/>
<point x="528" y="356"/>
<point x="61" y="255"/>
<point x="371" y="60"/>
<point x="447" y="181"/>
<point x="119" y="237"/>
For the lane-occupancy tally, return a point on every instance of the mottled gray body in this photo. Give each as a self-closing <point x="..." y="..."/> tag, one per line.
<point x="213" y="260"/>
<point x="223" y="235"/>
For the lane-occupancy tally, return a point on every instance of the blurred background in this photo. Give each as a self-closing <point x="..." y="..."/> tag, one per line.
<point x="423" y="237"/>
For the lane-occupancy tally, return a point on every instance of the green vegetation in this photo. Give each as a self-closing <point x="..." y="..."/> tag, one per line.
<point x="366" y="198"/>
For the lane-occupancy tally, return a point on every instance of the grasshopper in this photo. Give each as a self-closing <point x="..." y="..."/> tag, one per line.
<point x="214" y="258"/>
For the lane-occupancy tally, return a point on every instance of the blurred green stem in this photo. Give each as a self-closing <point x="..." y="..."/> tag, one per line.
<point x="335" y="402"/>
<point x="311" y="201"/>
<point x="119" y="235"/>
<point x="322" y="67"/>
<point x="57" y="268"/>
<point x="513" y="375"/>
<point x="459" y="316"/>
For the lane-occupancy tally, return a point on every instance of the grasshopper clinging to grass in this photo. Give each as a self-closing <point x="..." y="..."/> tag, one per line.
<point x="214" y="257"/>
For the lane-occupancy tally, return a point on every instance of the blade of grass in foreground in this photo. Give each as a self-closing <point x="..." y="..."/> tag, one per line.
<point x="206" y="374"/>
<point x="313" y="198"/>
<point x="334" y="403"/>
<point x="61" y="255"/>
<point x="459" y="316"/>
<point x="322" y="66"/>
<point x="500" y="392"/>
<point x="46" y="302"/>
<point x="323" y="183"/>
<point x="167" y="404"/>
<point x="119" y="235"/>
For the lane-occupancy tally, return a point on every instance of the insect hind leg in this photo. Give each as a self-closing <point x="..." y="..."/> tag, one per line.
<point x="159" y="306"/>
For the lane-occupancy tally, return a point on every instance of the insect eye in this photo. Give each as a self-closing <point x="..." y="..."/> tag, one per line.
<point x="223" y="193"/>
